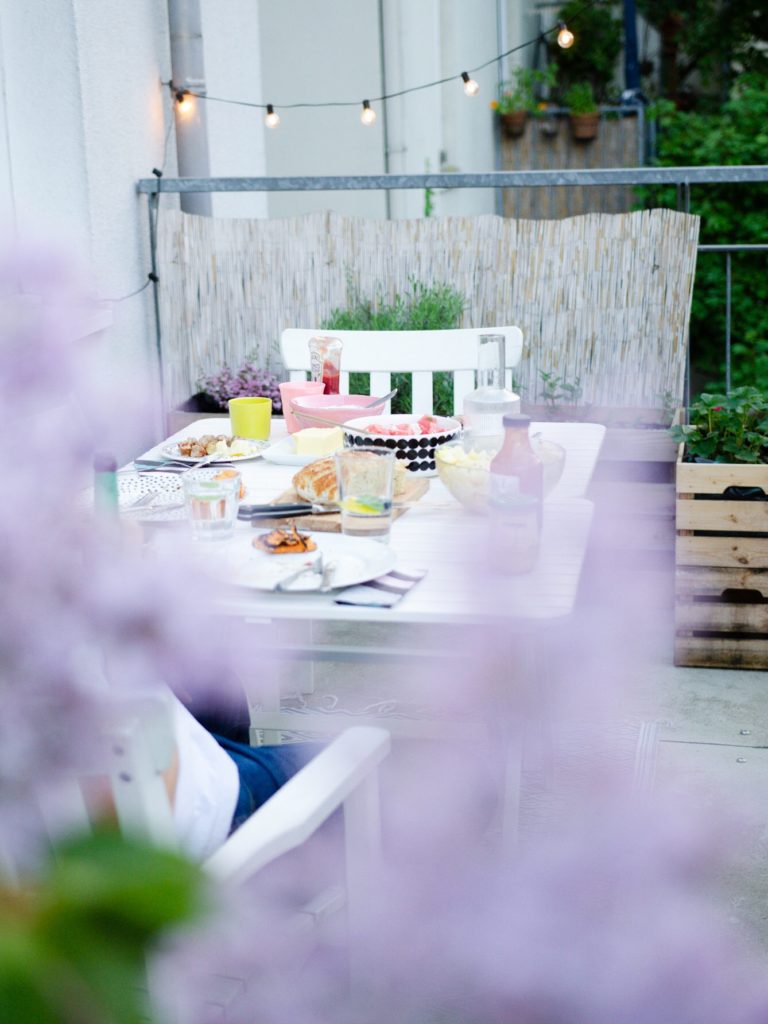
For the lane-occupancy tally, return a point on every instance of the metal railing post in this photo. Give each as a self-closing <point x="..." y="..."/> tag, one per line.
<point x="728" y="323"/>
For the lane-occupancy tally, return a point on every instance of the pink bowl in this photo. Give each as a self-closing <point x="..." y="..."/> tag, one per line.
<point x="311" y="410"/>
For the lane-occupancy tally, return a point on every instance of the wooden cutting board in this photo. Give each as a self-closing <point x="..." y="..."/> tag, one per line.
<point x="415" y="488"/>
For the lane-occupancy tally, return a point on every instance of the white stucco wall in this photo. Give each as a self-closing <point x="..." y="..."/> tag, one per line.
<point x="321" y="52"/>
<point x="84" y="119"/>
<point x="236" y="135"/>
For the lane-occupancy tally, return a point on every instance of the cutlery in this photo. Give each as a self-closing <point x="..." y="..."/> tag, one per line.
<point x="314" y="567"/>
<point x="141" y="502"/>
<point x="251" y="513"/>
<point x="381" y="401"/>
<point x="163" y="508"/>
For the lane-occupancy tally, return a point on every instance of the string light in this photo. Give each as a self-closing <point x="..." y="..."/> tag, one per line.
<point x="564" y="36"/>
<point x="471" y="88"/>
<point x="183" y="101"/>
<point x="272" y="120"/>
<point x="565" y="39"/>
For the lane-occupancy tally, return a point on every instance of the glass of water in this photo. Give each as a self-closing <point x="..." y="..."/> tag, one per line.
<point x="211" y="499"/>
<point x="365" y="478"/>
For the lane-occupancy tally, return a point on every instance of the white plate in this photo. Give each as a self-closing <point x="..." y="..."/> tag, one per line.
<point x="283" y="453"/>
<point x="357" y="561"/>
<point x="171" y="451"/>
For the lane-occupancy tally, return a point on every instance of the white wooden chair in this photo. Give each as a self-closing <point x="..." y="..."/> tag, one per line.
<point x="138" y="747"/>
<point x="420" y="353"/>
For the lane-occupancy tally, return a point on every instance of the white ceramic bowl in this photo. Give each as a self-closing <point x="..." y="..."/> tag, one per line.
<point x="416" y="451"/>
<point x="463" y="466"/>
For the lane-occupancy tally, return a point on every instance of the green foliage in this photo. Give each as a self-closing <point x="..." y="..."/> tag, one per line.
<point x="73" y="946"/>
<point x="593" y="56"/>
<point x="709" y="38"/>
<point x="729" y="214"/>
<point x="519" y="93"/>
<point x="727" y="428"/>
<point x="556" y="389"/>
<point x="580" y="98"/>
<point x="422" y="308"/>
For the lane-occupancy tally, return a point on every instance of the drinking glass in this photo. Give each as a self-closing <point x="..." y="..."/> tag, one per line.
<point x="365" y="478"/>
<point x="211" y="501"/>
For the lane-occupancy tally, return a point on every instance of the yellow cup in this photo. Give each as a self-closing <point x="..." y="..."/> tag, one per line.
<point x="250" y="417"/>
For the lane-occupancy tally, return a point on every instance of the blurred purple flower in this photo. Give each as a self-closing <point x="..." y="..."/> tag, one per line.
<point x="247" y="381"/>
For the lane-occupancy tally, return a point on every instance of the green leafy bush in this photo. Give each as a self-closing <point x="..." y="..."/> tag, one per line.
<point x="422" y="308"/>
<point x="727" y="428"/>
<point x="729" y="214"/>
<point x="595" y="52"/>
<point x="73" y="945"/>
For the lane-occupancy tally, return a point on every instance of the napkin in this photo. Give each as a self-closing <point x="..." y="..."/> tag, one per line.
<point x="384" y="591"/>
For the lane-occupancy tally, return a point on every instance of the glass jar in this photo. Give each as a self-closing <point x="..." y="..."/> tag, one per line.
<point x="486" y="406"/>
<point x="325" y="362"/>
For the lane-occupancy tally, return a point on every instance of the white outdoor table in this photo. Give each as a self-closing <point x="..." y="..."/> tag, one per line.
<point x="436" y="534"/>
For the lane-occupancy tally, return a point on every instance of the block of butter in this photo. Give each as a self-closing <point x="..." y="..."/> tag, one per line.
<point x="318" y="441"/>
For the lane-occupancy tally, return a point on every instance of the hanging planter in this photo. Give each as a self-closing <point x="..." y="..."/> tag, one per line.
<point x="517" y="98"/>
<point x="514" y="123"/>
<point x="584" y="111"/>
<point x="584" y="126"/>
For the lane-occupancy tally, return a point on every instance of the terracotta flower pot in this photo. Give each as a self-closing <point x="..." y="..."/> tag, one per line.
<point x="584" y="126"/>
<point x="514" y="123"/>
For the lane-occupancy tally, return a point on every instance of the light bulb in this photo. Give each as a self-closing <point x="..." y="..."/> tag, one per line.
<point x="471" y="88"/>
<point x="564" y="36"/>
<point x="271" y="120"/>
<point x="368" y="114"/>
<point x="183" y="101"/>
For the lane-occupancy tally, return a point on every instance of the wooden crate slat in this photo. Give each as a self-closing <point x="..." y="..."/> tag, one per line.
<point x="736" y="552"/>
<point x="711" y="616"/>
<point x="712" y="581"/>
<point x="722" y="515"/>
<point x="717" y="652"/>
<point x="714" y="478"/>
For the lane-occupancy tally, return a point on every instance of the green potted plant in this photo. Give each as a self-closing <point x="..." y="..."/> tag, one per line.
<point x="584" y="111"/>
<point x="517" y="98"/>
<point x="726" y="428"/>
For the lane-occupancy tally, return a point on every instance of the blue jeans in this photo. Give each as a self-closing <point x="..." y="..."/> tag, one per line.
<point x="263" y="770"/>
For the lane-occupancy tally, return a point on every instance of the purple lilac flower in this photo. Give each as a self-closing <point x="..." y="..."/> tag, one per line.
<point x="249" y="380"/>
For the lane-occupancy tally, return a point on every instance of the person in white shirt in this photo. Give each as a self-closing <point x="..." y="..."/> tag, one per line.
<point x="216" y="782"/>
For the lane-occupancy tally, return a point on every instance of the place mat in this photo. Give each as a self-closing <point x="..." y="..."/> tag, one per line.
<point x="331" y="523"/>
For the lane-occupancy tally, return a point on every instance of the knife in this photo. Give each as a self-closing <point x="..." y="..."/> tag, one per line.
<point x="282" y="511"/>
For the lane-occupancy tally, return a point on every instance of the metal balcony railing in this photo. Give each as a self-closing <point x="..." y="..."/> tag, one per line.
<point x="683" y="178"/>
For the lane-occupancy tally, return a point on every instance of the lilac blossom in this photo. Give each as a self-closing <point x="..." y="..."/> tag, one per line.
<point x="84" y="610"/>
<point x="607" y="913"/>
<point x="246" y="381"/>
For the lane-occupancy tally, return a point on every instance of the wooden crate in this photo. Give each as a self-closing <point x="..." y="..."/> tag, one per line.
<point x="721" y="574"/>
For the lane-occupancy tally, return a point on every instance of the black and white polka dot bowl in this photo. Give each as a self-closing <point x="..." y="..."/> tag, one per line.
<point x="415" y="451"/>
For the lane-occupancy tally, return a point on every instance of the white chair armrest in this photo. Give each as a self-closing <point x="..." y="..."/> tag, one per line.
<point x="307" y="800"/>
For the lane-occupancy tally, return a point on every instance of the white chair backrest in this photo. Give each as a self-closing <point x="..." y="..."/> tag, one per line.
<point x="420" y="353"/>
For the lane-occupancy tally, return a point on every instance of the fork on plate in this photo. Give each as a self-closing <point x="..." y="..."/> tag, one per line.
<point x="315" y="567"/>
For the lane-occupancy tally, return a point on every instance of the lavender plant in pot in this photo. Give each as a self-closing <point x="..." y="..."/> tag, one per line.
<point x="216" y="389"/>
